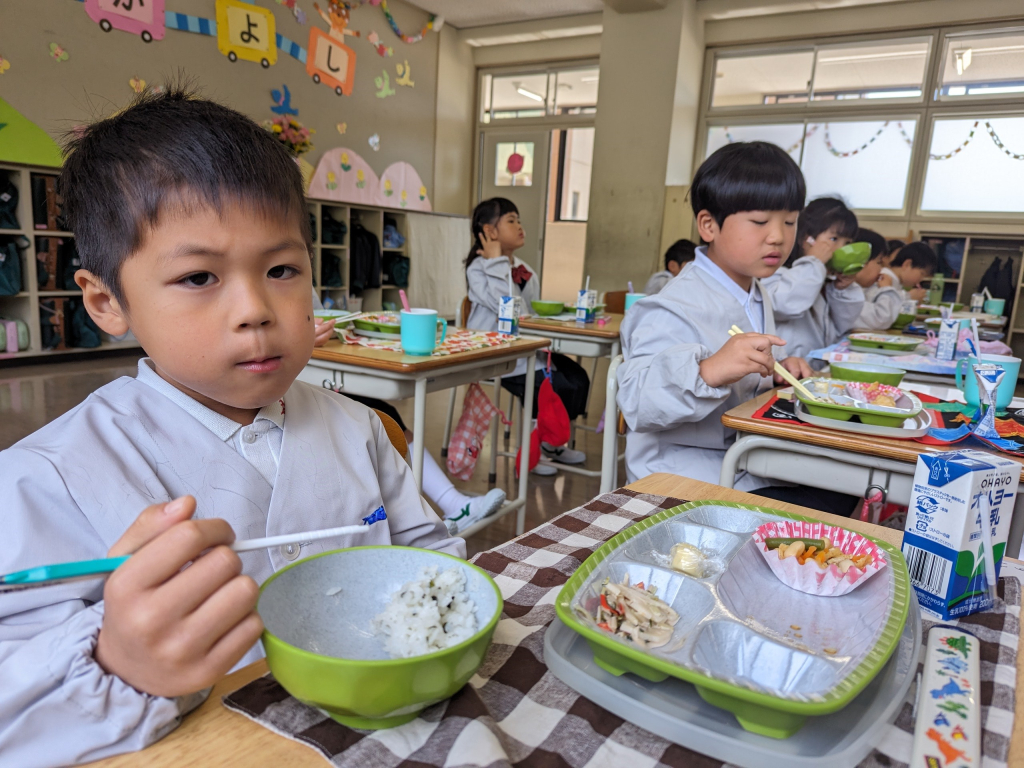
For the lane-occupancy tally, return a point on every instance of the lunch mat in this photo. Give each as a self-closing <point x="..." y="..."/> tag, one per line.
<point x="953" y="424"/>
<point x="455" y="341"/>
<point x="912" y="361"/>
<point x="515" y="712"/>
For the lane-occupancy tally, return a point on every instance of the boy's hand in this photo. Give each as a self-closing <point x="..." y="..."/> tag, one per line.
<point x="170" y="630"/>
<point x="917" y="293"/>
<point x="324" y="330"/>
<point x="797" y="366"/>
<point x="742" y="354"/>
<point x="845" y="281"/>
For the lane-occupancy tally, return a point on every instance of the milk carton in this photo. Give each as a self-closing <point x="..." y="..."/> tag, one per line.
<point x="585" y="306"/>
<point x="949" y="334"/>
<point x="509" y="310"/>
<point x="943" y="537"/>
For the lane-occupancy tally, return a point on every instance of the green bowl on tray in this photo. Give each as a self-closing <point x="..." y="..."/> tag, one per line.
<point x="933" y="310"/>
<point x="381" y="322"/>
<point x="884" y="341"/>
<point x="850" y="259"/>
<point x="903" y="320"/>
<point x="867" y="373"/>
<point x="908" y="406"/>
<point x="723" y="677"/>
<point x="547" y="308"/>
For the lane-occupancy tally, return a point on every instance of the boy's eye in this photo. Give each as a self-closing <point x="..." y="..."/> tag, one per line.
<point x="197" y="279"/>
<point x="759" y="223"/>
<point x="281" y="271"/>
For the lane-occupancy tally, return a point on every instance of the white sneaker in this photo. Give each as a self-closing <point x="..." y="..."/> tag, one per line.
<point x="478" y="508"/>
<point x="563" y="455"/>
<point x="544" y="470"/>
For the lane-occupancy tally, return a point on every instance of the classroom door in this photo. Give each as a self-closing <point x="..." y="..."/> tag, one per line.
<point x="514" y="164"/>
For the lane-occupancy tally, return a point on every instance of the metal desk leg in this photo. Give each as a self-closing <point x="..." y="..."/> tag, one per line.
<point x="448" y="421"/>
<point x="609" y="440"/>
<point x="419" y="429"/>
<point x="524" y="457"/>
<point x="492" y="475"/>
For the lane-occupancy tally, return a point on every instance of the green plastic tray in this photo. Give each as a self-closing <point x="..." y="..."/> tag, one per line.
<point x="377" y="323"/>
<point x="755" y="710"/>
<point x="884" y="341"/>
<point x="879" y="418"/>
<point x="931" y="310"/>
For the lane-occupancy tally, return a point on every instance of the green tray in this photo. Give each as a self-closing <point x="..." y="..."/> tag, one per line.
<point x="377" y="323"/>
<point x="756" y="711"/>
<point x="867" y="414"/>
<point x="884" y="341"/>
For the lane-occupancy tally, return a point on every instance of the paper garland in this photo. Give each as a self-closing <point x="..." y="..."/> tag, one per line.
<point x="433" y="23"/>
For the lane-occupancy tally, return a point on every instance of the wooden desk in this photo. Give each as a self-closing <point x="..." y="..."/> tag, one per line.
<point x="380" y="373"/>
<point x="212" y="735"/>
<point x="840" y="461"/>
<point x="591" y="340"/>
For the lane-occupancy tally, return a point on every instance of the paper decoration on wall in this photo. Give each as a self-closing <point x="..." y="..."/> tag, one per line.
<point x="344" y="176"/>
<point x="137" y="84"/>
<point x="383" y="84"/>
<point x="515" y="162"/>
<point x="329" y="60"/>
<point x="433" y="23"/>
<point x="24" y="141"/>
<point x="342" y="127"/>
<point x="5" y="64"/>
<point x="144" y="18"/>
<point x="404" y="75"/>
<point x="374" y="39"/>
<point x="58" y="53"/>
<point x="374" y="142"/>
<point x="299" y="14"/>
<point x="247" y="32"/>
<point x="282" y="101"/>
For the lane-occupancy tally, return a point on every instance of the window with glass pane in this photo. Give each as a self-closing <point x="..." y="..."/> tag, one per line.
<point x="893" y="69"/>
<point x="485" y="99"/>
<point x="866" y="163"/>
<point x="576" y="91"/>
<point x="983" y="65"/>
<point x="789" y="136"/>
<point x="575" y="174"/>
<point x="770" y="78"/>
<point x="519" y="96"/>
<point x="975" y="164"/>
<point x="513" y="166"/>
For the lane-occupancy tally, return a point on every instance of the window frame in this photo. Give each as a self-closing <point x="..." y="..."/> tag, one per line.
<point x="946" y="102"/>
<point x="551" y="71"/>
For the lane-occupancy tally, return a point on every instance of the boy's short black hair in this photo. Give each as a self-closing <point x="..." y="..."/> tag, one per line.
<point x="879" y="247"/>
<point x="168" y="149"/>
<point x="681" y="251"/>
<point x="919" y="255"/>
<point x="895" y="245"/>
<point x="821" y="215"/>
<point x="747" y="176"/>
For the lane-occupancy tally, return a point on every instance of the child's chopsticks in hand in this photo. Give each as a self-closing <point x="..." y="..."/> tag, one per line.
<point x="791" y="370"/>
<point x="741" y="355"/>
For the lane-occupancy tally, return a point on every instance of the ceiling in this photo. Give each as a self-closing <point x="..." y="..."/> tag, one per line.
<point x="478" y="13"/>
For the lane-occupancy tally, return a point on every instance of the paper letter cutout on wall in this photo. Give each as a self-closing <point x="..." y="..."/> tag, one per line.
<point x="139" y="17"/>
<point x="383" y="84"/>
<point x="283" y="102"/>
<point x="329" y="60"/>
<point x="344" y="176"/>
<point x="247" y="32"/>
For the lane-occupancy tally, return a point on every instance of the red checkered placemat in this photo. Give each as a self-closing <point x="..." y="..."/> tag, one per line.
<point x="515" y="712"/>
<point x="455" y="341"/>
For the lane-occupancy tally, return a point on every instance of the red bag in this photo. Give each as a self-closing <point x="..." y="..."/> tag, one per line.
<point x="552" y="420"/>
<point x="468" y="435"/>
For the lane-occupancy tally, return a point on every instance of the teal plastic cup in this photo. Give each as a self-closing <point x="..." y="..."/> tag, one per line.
<point x="633" y="298"/>
<point x="995" y="306"/>
<point x="419" y="331"/>
<point x="967" y="382"/>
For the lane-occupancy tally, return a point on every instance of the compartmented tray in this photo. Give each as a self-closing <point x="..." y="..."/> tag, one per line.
<point x="884" y="341"/>
<point x="769" y="654"/>
<point x="673" y="710"/>
<point x="844" y="407"/>
<point x="379" y="322"/>
<point x="914" y="427"/>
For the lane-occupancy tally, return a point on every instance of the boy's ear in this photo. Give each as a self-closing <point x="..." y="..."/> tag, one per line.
<point x="100" y="303"/>
<point x="707" y="227"/>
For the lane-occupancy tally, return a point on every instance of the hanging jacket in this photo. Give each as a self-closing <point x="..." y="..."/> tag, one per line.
<point x="365" y="260"/>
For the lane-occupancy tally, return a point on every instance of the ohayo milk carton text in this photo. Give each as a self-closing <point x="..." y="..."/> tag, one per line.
<point x="943" y="542"/>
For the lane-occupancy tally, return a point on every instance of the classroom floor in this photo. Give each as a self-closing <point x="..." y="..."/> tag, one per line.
<point x="32" y="396"/>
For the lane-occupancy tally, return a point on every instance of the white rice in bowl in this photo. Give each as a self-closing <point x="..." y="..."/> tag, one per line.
<point x="428" y="614"/>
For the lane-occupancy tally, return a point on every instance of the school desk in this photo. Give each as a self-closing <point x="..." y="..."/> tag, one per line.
<point x="388" y="375"/>
<point x="835" y="460"/>
<point x="591" y="340"/>
<point x="213" y="735"/>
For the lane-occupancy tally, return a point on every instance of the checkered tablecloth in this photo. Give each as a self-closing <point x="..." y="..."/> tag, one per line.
<point x="515" y="712"/>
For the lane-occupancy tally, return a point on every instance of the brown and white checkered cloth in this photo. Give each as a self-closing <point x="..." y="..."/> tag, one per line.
<point x="515" y="712"/>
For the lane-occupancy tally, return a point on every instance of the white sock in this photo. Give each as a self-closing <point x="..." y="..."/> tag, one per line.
<point x="438" y="488"/>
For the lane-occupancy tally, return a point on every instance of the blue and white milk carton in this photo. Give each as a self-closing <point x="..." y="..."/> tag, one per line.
<point x="943" y="541"/>
<point x="586" y="305"/>
<point x="509" y="310"/>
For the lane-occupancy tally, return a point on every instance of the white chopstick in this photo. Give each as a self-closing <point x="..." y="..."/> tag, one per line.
<point x="248" y="545"/>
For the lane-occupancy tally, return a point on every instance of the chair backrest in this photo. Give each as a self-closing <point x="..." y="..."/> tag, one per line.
<point x="395" y="433"/>
<point x="615" y="302"/>
<point x="464" y="311"/>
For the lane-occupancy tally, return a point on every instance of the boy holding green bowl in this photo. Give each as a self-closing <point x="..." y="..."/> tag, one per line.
<point x="193" y="233"/>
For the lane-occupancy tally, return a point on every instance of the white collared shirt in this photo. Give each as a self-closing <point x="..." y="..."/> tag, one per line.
<point x="258" y="443"/>
<point x="751" y="300"/>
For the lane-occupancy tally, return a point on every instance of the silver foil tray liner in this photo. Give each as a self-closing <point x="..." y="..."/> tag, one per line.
<point x="739" y="623"/>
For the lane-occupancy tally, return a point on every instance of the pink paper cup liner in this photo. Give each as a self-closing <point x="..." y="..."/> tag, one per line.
<point x="810" y="577"/>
